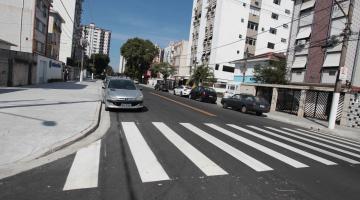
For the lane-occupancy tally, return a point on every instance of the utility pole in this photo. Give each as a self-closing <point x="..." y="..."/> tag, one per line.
<point x="245" y="64"/>
<point x="83" y="44"/>
<point x="338" y="83"/>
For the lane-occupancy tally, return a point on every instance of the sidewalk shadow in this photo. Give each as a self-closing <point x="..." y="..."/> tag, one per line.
<point x="44" y="122"/>
<point x="46" y="104"/>
<point x="60" y="86"/>
<point x="317" y="122"/>
<point x="9" y="90"/>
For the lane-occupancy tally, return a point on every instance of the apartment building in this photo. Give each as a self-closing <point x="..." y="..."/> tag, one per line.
<point x="98" y="40"/>
<point x="223" y="30"/>
<point x="25" y="24"/>
<point x="54" y="35"/>
<point x="70" y="11"/>
<point x="315" y="58"/>
<point x="179" y="60"/>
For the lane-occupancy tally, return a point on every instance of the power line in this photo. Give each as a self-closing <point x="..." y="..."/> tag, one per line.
<point x="62" y="3"/>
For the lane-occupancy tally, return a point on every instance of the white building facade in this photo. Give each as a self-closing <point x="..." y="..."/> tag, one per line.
<point x="70" y="11"/>
<point x="223" y="30"/>
<point x="98" y="40"/>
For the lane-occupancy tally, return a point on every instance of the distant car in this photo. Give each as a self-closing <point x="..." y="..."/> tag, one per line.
<point x="247" y="103"/>
<point x="203" y="94"/>
<point x="122" y="93"/>
<point x="161" y="87"/>
<point x="182" y="90"/>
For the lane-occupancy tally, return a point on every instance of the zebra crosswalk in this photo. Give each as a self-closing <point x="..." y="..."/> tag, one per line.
<point x="324" y="149"/>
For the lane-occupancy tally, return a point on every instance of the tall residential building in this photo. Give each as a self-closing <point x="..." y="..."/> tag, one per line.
<point x="25" y="24"/>
<point x="70" y="11"/>
<point x="179" y="60"/>
<point x="315" y="58"/>
<point x="223" y="30"/>
<point x="54" y="35"/>
<point x="98" y="40"/>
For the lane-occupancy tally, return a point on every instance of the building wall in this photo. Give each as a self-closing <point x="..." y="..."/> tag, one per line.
<point x="179" y="59"/>
<point x="12" y="30"/>
<point x="47" y="69"/>
<point x="230" y="29"/>
<point x="66" y="39"/>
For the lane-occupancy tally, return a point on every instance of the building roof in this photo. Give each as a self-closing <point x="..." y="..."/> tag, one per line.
<point x="7" y="43"/>
<point x="262" y="57"/>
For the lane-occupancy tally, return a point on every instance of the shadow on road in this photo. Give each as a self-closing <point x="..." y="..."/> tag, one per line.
<point x="9" y="90"/>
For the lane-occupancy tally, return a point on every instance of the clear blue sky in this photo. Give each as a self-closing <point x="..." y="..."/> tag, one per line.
<point x="161" y="21"/>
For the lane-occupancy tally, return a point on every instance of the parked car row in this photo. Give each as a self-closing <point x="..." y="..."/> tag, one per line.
<point x="242" y="102"/>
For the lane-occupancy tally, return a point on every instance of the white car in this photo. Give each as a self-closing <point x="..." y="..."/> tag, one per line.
<point x="182" y="90"/>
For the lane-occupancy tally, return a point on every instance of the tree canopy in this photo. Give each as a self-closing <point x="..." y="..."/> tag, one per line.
<point x="202" y="74"/>
<point x="163" y="68"/>
<point x="139" y="55"/>
<point x="274" y="73"/>
<point x="101" y="62"/>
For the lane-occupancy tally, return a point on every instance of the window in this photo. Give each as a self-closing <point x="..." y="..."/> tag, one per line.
<point x="287" y="11"/>
<point x="332" y="73"/>
<point x="285" y="26"/>
<point x="250" y="41"/>
<point x="271" y="45"/>
<point x="274" y="16"/>
<point x="41" y="27"/>
<point x="273" y="31"/>
<point x="277" y="2"/>
<point x="40" y="47"/>
<point x="217" y="67"/>
<point x="242" y="20"/>
<point x="240" y="36"/>
<point x="228" y="69"/>
<point x="253" y="25"/>
<point x="283" y="40"/>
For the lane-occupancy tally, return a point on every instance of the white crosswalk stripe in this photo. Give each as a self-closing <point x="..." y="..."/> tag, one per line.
<point x="259" y="147"/>
<point x="343" y="140"/>
<point x="242" y="157"/>
<point x="324" y="140"/>
<point x="84" y="171"/>
<point x="148" y="166"/>
<point x="324" y="145"/>
<point x="296" y="150"/>
<point x="306" y="145"/>
<point x="199" y="159"/>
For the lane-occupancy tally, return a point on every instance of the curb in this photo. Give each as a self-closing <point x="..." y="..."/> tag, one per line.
<point x="67" y="142"/>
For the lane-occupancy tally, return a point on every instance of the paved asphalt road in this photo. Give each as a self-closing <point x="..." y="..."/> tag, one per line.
<point x="183" y="149"/>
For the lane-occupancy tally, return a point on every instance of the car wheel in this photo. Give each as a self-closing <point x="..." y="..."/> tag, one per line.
<point x="258" y="113"/>
<point x="181" y="94"/>
<point x="225" y="106"/>
<point x="243" y="109"/>
<point x="174" y="92"/>
<point x="106" y="108"/>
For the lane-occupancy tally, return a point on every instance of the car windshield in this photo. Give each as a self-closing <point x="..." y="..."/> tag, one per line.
<point x="122" y="84"/>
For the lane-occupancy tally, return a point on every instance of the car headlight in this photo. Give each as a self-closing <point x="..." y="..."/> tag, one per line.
<point x="111" y="98"/>
<point x="140" y="97"/>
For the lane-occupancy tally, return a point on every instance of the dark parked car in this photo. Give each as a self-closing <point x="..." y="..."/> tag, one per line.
<point x="247" y="102"/>
<point x="205" y="94"/>
<point x="161" y="86"/>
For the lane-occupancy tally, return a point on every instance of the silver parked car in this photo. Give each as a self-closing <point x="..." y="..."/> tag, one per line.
<point x="121" y="93"/>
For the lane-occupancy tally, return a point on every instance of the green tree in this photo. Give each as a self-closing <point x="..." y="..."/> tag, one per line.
<point x="274" y="73"/>
<point x="202" y="75"/>
<point x="139" y="55"/>
<point x="100" y="61"/>
<point x="109" y="71"/>
<point x="163" y="68"/>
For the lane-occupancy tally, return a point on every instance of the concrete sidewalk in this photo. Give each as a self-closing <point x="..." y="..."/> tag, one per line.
<point x="36" y="120"/>
<point x="315" y="124"/>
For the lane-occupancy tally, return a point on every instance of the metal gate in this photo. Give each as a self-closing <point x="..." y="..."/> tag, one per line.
<point x="318" y="105"/>
<point x="265" y="92"/>
<point x="288" y="101"/>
